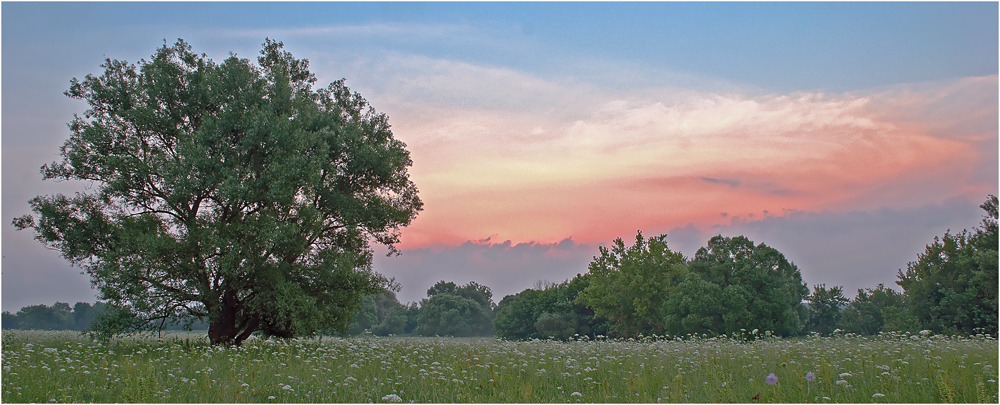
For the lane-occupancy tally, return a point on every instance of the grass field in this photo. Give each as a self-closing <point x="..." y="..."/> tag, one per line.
<point x="67" y="367"/>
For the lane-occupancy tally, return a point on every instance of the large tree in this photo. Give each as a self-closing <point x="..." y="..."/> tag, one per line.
<point x="629" y="285"/>
<point x="745" y="286"/>
<point x="231" y="192"/>
<point x="454" y="310"/>
<point x="447" y="314"/>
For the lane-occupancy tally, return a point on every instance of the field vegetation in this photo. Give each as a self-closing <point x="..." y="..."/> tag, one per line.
<point x="184" y="368"/>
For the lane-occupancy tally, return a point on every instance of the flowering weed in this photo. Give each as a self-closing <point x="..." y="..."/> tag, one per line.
<point x="66" y="367"/>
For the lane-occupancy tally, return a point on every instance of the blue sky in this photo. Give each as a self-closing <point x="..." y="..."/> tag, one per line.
<point x="847" y="135"/>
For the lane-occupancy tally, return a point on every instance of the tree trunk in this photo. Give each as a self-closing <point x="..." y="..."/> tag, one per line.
<point x="248" y="328"/>
<point x="227" y="327"/>
<point x="222" y="329"/>
<point x="222" y="326"/>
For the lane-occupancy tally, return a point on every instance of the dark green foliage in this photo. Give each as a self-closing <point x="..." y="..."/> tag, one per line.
<point x="376" y="309"/>
<point x="559" y="325"/>
<point x="746" y="286"/>
<point x="450" y="310"/>
<point x="473" y="291"/>
<point x="630" y="285"/>
<point x="44" y="317"/>
<point x="412" y="317"/>
<point x="446" y="314"/>
<point x="875" y="310"/>
<point x="549" y="312"/>
<point x="825" y="309"/>
<point x="693" y="308"/>
<point x="60" y="317"/>
<point x="395" y="323"/>
<point x="10" y="321"/>
<point x="443" y="287"/>
<point x="952" y="287"/>
<point x="516" y="315"/>
<point x="231" y="192"/>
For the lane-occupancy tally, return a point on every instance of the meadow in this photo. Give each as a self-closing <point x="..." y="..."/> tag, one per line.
<point x="183" y="368"/>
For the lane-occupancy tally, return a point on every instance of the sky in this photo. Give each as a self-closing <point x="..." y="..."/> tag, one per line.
<point x="845" y="135"/>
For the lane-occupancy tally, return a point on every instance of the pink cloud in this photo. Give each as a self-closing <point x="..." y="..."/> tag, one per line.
<point x="502" y="152"/>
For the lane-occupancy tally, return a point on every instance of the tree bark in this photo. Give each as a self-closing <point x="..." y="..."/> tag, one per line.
<point x="249" y="327"/>
<point x="222" y="327"/>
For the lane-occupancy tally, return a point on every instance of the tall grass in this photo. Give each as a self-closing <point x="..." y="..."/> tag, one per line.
<point x="67" y="367"/>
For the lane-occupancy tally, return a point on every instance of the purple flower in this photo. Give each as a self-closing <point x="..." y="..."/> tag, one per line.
<point x="771" y="379"/>
<point x="810" y="376"/>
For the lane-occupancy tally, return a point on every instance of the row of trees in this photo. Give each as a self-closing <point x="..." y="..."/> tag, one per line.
<point x="951" y="288"/>
<point x="646" y="288"/>
<point x="60" y="316"/>
<point x="729" y="285"/>
<point x="448" y="310"/>
<point x="732" y="285"/>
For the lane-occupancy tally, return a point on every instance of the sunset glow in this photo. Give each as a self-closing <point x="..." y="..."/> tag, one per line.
<point x="633" y="163"/>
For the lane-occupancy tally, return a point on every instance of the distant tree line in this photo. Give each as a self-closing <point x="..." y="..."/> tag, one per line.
<point x="734" y="286"/>
<point x="448" y="310"/>
<point x="730" y="286"/>
<point x="60" y="316"/>
<point x="951" y="288"/>
<point x="648" y="289"/>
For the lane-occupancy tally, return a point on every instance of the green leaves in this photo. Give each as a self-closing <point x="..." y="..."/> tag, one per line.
<point x="952" y="287"/>
<point x="451" y="315"/>
<point x="228" y="190"/>
<point x="729" y="285"/>
<point x="824" y="309"/>
<point x="630" y="284"/>
<point x="760" y="289"/>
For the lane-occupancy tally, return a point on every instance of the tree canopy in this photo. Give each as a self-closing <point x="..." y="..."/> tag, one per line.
<point x="548" y="311"/>
<point x="629" y="285"/>
<point x="749" y="287"/>
<point x="454" y="310"/>
<point x="730" y="284"/>
<point x="231" y="192"/>
<point x="952" y="287"/>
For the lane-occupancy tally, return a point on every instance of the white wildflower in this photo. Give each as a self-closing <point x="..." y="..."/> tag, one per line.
<point x="392" y="398"/>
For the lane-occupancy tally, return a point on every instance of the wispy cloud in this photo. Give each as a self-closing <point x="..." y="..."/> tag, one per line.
<point x="531" y="158"/>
